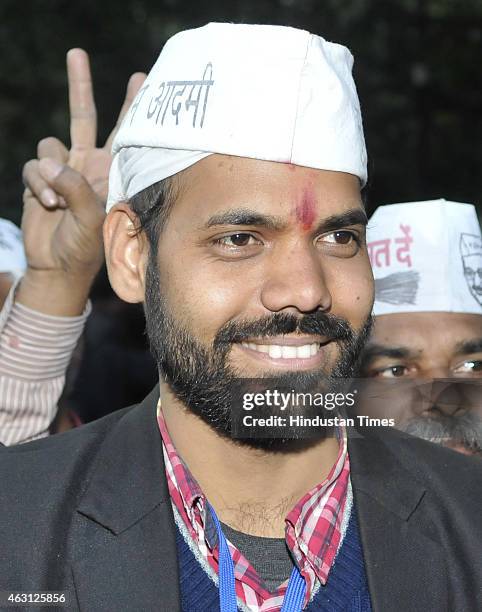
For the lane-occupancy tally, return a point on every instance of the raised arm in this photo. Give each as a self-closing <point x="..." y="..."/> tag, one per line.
<point x="63" y="212"/>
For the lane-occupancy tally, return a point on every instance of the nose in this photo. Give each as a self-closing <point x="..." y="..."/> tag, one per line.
<point x="447" y="398"/>
<point x="296" y="282"/>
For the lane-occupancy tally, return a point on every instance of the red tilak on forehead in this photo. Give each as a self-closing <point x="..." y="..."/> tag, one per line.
<point x="306" y="210"/>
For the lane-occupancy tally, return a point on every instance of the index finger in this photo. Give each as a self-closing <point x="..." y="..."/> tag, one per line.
<point x="83" y="115"/>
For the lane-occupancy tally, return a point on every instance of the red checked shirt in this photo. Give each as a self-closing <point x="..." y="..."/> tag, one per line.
<point x="313" y="527"/>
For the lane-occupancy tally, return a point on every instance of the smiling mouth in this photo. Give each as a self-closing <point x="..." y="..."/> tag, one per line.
<point x="284" y="351"/>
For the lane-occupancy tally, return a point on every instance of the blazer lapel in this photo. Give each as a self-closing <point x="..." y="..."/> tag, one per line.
<point x="132" y="571"/>
<point x="405" y="568"/>
<point x="126" y="558"/>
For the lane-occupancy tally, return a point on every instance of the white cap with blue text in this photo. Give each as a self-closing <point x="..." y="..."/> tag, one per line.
<point x="426" y="256"/>
<point x="265" y="92"/>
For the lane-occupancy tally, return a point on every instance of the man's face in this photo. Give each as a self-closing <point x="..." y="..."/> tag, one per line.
<point x="262" y="271"/>
<point x="473" y="275"/>
<point x="416" y="349"/>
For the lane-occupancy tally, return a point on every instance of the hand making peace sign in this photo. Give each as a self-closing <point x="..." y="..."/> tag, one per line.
<point x="65" y="193"/>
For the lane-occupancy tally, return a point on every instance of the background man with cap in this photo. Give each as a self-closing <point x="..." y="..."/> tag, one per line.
<point x="247" y="268"/>
<point x="428" y="328"/>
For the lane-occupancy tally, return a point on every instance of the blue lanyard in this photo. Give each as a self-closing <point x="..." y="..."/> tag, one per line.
<point x="295" y="593"/>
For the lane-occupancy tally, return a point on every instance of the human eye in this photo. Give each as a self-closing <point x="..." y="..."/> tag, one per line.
<point x="470" y="367"/>
<point x="394" y="371"/>
<point x="237" y="241"/>
<point x="344" y="243"/>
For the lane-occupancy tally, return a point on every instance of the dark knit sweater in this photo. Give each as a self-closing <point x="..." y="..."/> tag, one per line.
<point x="345" y="591"/>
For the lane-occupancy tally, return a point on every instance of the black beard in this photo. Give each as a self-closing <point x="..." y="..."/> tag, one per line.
<point x="202" y="380"/>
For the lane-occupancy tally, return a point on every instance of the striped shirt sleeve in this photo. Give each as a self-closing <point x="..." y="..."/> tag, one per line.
<point x="35" y="351"/>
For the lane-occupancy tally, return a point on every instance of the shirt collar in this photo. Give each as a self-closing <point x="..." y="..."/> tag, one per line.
<point x="302" y="522"/>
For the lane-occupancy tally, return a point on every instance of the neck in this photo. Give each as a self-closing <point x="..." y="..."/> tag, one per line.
<point x="251" y="490"/>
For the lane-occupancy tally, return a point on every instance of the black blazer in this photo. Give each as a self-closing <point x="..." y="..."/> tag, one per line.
<point x="88" y="512"/>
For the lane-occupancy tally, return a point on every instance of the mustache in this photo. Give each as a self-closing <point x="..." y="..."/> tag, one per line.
<point x="316" y="323"/>
<point x="465" y="429"/>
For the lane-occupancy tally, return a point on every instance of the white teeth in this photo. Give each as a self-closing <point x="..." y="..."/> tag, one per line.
<point x="276" y="351"/>
<point x="288" y="352"/>
<point x="302" y="352"/>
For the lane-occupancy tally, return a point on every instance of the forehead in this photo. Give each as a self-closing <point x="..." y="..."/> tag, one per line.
<point x="221" y="182"/>
<point x="427" y="332"/>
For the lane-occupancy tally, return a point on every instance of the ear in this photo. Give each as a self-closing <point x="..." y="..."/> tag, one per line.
<point x="126" y="253"/>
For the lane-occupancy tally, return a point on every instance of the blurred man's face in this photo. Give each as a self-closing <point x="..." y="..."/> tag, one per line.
<point x="412" y="347"/>
<point x="261" y="271"/>
<point x="473" y="274"/>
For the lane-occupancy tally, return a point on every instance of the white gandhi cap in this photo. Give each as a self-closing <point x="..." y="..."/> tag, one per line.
<point x="265" y="92"/>
<point x="426" y="256"/>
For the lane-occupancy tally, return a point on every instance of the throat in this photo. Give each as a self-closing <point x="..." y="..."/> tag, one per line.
<point x="251" y="490"/>
<point x="257" y="518"/>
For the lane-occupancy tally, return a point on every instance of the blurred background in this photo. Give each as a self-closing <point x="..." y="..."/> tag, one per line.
<point x="418" y="71"/>
<point x="417" y="67"/>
